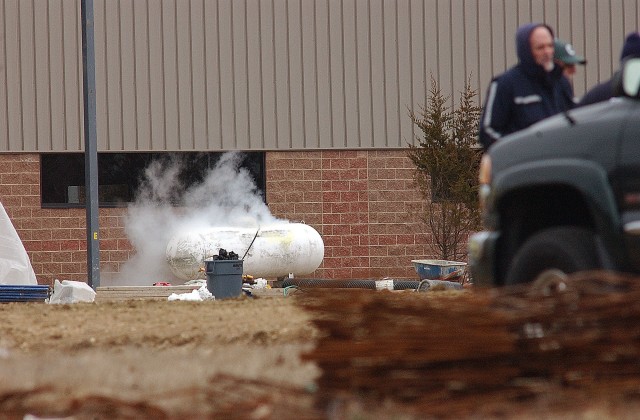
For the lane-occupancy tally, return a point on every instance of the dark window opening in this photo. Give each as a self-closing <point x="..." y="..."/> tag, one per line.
<point x="62" y="180"/>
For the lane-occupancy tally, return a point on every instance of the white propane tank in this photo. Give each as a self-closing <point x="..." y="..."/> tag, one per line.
<point x="278" y="249"/>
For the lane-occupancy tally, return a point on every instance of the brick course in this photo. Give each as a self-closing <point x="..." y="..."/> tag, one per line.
<point x="363" y="203"/>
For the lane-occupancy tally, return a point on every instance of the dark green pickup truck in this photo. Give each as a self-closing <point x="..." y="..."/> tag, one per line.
<point x="564" y="194"/>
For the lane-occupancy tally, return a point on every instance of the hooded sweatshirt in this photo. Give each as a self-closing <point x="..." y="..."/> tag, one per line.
<point x="524" y="94"/>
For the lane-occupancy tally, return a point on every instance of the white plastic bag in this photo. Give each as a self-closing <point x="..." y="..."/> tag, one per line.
<point x="15" y="266"/>
<point x="196" y="295"/>
<point x="69" y="291"/>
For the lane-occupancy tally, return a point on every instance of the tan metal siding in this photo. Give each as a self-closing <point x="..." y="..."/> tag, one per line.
<point x="269" y="74"/>
<point x="13" y="68"/>
<point x="27" y="46"/>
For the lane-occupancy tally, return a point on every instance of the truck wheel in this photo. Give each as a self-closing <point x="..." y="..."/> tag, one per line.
<point x="568" y="249"/>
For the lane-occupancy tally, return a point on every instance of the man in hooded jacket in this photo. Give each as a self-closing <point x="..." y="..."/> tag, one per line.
<point x="528" y="92"/>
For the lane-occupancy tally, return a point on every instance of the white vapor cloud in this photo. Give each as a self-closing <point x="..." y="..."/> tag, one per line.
<point x="163" y="206"/>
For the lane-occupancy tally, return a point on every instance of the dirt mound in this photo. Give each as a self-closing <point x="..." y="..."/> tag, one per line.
<point x="156" y="359"/>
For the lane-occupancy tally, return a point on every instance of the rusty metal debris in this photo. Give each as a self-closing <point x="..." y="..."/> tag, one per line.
<point x="475" y="352"/>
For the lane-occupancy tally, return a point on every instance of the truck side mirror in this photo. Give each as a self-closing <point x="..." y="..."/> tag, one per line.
<point x="630" y="78"/>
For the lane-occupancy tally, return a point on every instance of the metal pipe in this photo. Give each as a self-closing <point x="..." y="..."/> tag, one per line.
<point x="423" y="285"/>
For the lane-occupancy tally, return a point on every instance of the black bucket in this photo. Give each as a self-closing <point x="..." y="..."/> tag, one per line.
<point x="224" y="278"/>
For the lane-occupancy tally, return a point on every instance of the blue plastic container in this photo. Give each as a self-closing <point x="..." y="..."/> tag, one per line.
<point x="439" y="269"/>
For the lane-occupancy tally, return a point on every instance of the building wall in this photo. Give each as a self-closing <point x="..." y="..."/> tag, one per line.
<point x="55" y="239"/>
<point x="362" y="203"/>
<point x="326" y="84"/>
<point x="268" y="74"/>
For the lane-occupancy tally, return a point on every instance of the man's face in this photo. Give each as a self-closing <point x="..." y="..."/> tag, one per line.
<point x="542" y="47"/>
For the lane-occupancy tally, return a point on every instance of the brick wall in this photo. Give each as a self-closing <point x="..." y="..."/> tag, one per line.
<point x="55" y="239"/>
<point x="363" y="204"/>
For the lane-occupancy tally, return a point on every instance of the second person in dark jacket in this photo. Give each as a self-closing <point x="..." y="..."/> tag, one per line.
<point x="604" y="90"/>
<point x="530" y="91"/>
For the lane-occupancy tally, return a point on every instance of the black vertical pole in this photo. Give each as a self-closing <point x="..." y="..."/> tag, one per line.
<point x="90" y="143"/>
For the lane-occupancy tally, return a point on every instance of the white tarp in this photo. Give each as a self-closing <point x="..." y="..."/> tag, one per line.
<point x="15" y="266"/>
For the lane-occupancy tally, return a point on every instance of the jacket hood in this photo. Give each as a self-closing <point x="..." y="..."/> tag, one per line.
<point x="525" y="56"/>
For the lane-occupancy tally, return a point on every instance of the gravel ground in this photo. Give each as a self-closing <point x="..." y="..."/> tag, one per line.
<point x="160" y="359"/>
